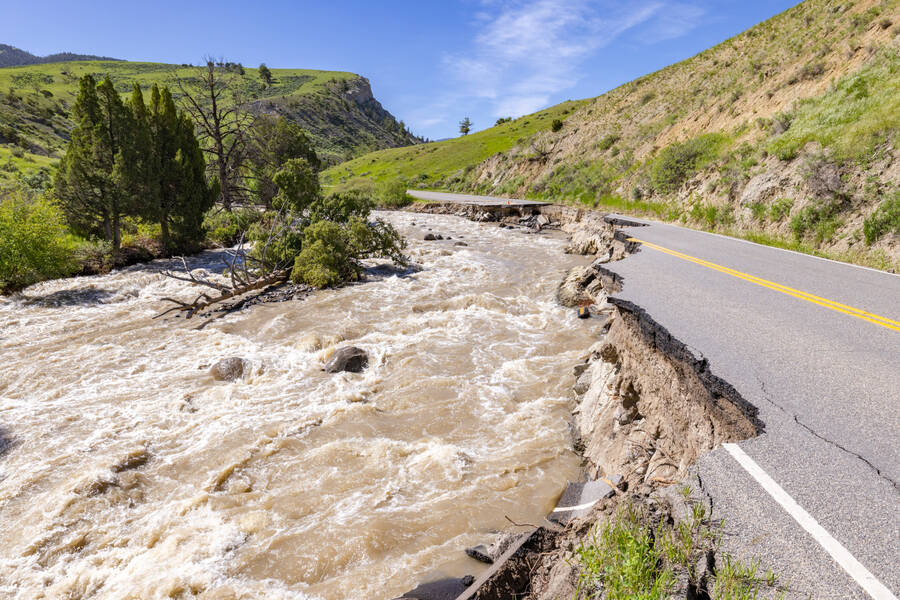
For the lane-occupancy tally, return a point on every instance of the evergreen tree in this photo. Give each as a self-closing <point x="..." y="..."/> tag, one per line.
<point x="265" y="74"/>
<point x="96" y="178"/>
<point x="274" y="141"/>
<point x="465" y="126"/>
<point x="179" y="191"/>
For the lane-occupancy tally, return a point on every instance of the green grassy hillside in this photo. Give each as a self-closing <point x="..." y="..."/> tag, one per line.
<point x="336" y="108"/>
<point x="441" y="164"/>
<point x="787" y="133"/>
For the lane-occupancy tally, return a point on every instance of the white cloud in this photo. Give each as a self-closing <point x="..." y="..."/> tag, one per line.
<point x="526" y="52"/>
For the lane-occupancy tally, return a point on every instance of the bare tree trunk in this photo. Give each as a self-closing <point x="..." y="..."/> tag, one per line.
<point x="215" y="103"/>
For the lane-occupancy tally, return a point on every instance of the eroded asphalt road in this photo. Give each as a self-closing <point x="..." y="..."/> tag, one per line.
<point x="827" y="386"/>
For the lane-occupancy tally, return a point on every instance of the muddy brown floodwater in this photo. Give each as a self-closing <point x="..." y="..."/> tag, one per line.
<point x="126" y="471"/>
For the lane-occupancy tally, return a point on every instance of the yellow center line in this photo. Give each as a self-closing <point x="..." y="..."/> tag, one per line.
<point x="836" y="306"/>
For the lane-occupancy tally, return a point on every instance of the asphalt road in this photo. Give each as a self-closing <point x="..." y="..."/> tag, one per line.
<point x="827" y="386"/>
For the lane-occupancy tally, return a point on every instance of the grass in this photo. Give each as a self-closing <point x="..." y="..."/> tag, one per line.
<point x="633" y="557"/>
<point x="436" y="163"/>
<point x="884" y="220"/>
<point x="860" y="112"/>
<point x="61" y="79"/>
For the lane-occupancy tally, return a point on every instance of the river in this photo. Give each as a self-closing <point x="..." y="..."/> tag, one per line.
<point x="126" y="471"/>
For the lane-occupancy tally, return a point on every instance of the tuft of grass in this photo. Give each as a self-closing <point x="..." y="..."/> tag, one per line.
<point x="623" y="558"/>
<point x="780" y="208"/>
<point x="630" y="557"/>
<point x="885" y="219"/>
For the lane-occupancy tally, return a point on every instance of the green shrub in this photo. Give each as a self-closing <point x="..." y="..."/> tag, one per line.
<point x="556" y="125"/>
<point x="677" y="162"/>
<point x="225" y="228"/>
<point x="34" y="241"/>
<point x="759" y="211"/>
<point x="886" y="218"/>
<point x="780" y="208"/>
<point x="607" y="141"/>
<point x="818" y="221"/>
<point x="392" y="194"/>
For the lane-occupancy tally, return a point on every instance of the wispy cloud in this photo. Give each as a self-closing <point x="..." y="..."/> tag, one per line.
<point x="525" y="52"/>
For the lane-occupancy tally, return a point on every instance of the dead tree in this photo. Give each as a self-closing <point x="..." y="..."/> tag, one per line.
<point x="246" y="270"/>
<point x="214" y="99"/>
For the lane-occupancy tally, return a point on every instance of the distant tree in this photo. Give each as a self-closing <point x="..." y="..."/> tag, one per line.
<point x="503" y="120"/>
<point x="465" y="126"/>
<point x="265" y="74"/>
<point x="212" y="98"/>
<point x="100" y="170"/>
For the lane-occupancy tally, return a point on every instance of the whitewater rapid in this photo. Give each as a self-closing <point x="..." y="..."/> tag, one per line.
<point x="126" y="471"/>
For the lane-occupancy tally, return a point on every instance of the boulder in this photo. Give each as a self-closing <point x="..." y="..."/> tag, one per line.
<point x="480" y="553"/>
<point x="348" y="358"/>
<point x="460" y="244"/>
<point x="228" y="369"/>
<point x="430" y="237"/>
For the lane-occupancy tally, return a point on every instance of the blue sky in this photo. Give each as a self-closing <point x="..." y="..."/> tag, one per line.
<point x="431" y="62"/>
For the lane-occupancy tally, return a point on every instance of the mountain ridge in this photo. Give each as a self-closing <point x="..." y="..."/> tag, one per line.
<point x="10" y="56"/>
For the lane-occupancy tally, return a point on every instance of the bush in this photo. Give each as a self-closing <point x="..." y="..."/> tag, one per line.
<point x="607" y="141"/>
<point x="392" y="194"/>
<point x="819" y="221"/>
<point x="225" y="228"/>
<point x="886" y="218"/>
<point x="34" y="242"/>
<point x="780" y="209"/>
<point x="556" y="125"/>
<point x="677" y="162"/>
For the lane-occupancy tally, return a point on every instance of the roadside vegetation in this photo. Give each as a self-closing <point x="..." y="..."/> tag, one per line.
<point x="637" y="555"/>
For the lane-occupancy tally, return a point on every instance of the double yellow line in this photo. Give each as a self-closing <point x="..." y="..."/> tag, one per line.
<point x="836" y="306"/>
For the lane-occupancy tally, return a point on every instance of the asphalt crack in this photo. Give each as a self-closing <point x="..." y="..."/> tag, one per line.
<point x="768" y="398"/>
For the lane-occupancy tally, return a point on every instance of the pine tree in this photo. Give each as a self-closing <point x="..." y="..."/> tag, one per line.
<point x="465" y="126"/>
<point x="180" y="193"/>
<point x="96" y="177"/>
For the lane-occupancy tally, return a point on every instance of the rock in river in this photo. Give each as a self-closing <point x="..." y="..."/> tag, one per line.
<point x="348" y="358"/>
<point x="228" y="369"/>
<point x="430" y="237"/>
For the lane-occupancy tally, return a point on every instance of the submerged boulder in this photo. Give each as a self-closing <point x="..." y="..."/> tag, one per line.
<point x="348" y="358"/>
<point x="228" y="369"/>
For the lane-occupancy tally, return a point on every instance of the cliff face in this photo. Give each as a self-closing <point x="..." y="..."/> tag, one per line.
<point x="343" y="118"/>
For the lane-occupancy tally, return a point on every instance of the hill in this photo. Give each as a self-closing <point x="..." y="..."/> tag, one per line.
<point x="786" y="133"/>
<point x="10" y="56"/>
<point x="337" y="108"/>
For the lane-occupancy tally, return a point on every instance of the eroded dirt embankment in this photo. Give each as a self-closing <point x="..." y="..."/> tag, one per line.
<point x="645" y="407"/>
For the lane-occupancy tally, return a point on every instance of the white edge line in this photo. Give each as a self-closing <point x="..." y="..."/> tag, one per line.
<point x="579" y="507"/>
<point x="841" y="555"/>
<point x="737" y="239"/>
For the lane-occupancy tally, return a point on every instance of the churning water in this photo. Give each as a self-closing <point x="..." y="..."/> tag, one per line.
<point x="126" y="471"/>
